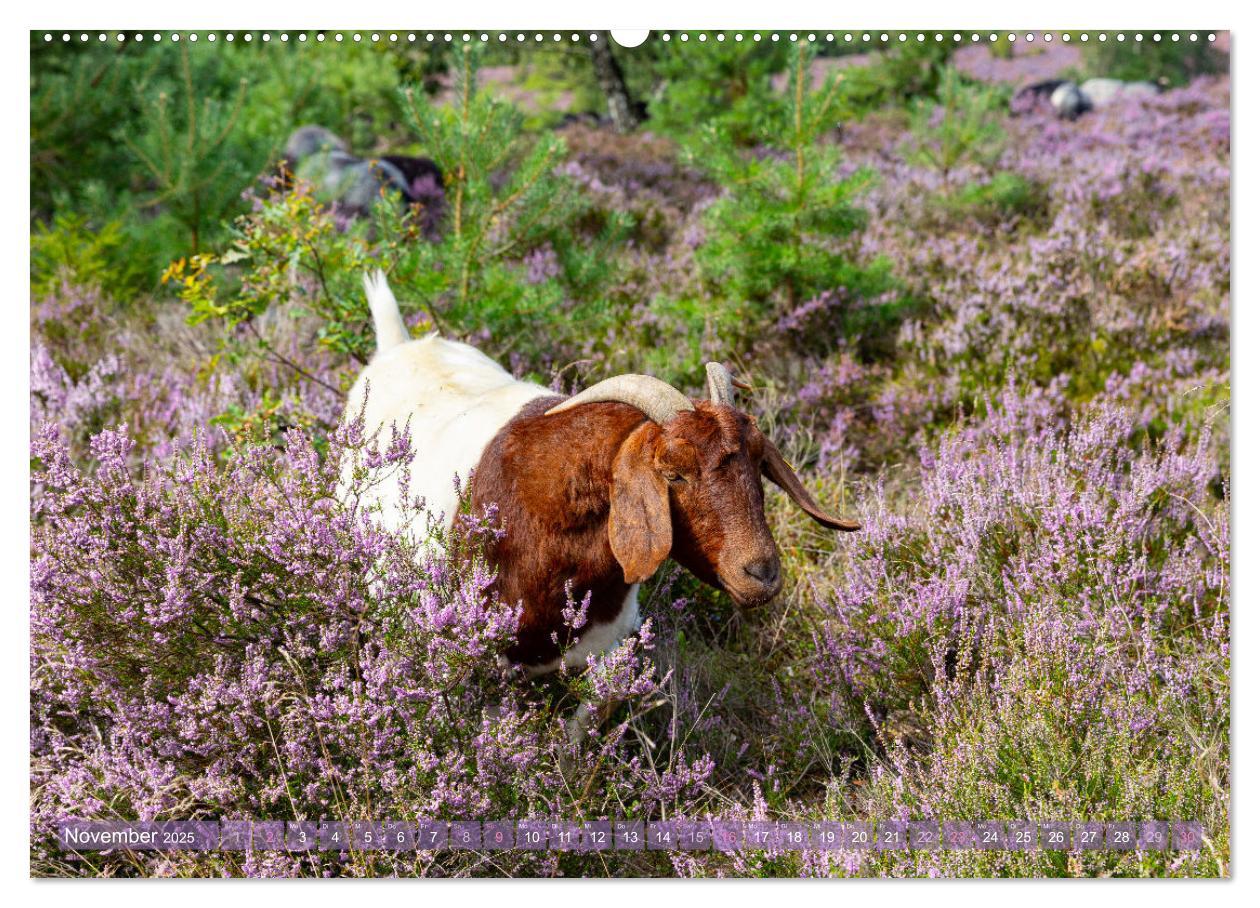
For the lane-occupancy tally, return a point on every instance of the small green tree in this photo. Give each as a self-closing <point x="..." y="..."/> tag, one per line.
<point x="504" y="199"/>
<point x="777" y="234"/>
<point x="960" y="126"/>
<point x="725" y="85"/>
<point x="195" y="172"/>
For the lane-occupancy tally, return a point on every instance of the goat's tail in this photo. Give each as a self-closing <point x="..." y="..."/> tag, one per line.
<point x="387" y="321"/>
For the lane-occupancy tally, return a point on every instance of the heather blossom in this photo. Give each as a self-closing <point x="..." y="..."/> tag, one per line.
<point x="277" y="653"/>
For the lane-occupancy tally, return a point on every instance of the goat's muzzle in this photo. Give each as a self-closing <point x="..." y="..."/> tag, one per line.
<point x="756" y="582"/>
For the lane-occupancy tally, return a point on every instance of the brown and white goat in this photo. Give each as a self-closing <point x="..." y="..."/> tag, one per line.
<point x="593" y="492"/>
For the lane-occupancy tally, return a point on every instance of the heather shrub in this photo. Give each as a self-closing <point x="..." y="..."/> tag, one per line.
<point x="274" y="653"/>
<point x="639" y="175"/>
<point x="1045" y="633"/>
<point x="96" y="363"/>
<point x="1017" y="63"/>
<point x="1117" y="267"/>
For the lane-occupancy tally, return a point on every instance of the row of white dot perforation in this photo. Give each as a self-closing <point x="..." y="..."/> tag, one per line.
<point x="537" y="37"/>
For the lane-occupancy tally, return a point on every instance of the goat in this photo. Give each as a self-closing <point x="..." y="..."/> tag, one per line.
<point x="594" y="492"/>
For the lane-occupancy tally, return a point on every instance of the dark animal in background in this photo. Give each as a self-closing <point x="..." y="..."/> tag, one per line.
<point x="421" y="175"/>
<point x="595" y="491"/>
<point x="1031" y="96"/>
<point x="352" y="185"/>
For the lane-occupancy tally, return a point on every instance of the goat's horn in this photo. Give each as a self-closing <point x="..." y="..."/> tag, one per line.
<point x="659" y="401"/>
<point x="721" y="390"/>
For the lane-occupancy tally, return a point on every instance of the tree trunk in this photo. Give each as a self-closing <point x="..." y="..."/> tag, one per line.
<point x="612" y="83"/>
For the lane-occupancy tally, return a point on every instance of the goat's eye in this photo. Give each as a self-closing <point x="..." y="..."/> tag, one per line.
<point x="671" y="476"/>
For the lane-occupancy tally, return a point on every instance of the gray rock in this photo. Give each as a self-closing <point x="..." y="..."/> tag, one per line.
<point x="1102" y="92"/>
<point x="352" y="184"/>
<point x="310" y="140"/>
<point x="1071" y="100"/>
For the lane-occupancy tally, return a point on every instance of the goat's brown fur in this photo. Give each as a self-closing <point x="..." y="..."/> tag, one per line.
<point x="599" y="495"/>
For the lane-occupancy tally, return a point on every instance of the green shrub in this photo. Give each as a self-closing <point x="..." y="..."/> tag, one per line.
<point x="726" y="87"/>
<point x="1002" y="197"/>
<point x="960" y="126"/>
<point x="776" y="236"/>
<point x="73" y="247"/>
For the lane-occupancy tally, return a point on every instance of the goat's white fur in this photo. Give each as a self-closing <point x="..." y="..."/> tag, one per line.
<point x="455" y="399"/>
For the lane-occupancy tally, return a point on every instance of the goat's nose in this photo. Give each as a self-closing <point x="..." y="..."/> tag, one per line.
<point x="763" y="570"/>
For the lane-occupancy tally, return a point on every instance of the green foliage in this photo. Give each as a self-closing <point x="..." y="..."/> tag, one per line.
<point x="194" y="172"/>
<point x="895" y="76"/>
<point x="504" y="201"/>
<point x="674" y="336"/>
<point x="1002" y="197"/>
<point x="289" y="252"/>
<point x="264" y="425"/>
<point x="352" y="92"/>
<point x="854" y="375"/>
<point x="158" y="141"/>
<point x="777" y="235"/>
<point x="961" y="126"/>
<point x="73" y="248"/>
<point x="728" y="87"/>
<point x="79" y="96"/>
<point x="1165" y="62"/>
<point x="558" y="81"/>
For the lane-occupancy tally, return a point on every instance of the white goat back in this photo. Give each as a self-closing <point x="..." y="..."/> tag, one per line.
<point x="455" y="399"/>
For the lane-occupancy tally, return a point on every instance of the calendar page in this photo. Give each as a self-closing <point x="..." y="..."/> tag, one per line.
<point x="781" y="453"/>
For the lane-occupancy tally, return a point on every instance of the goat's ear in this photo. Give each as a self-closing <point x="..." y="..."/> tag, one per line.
<point x="778" y="472"/>
<point x="639" y="527"/>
